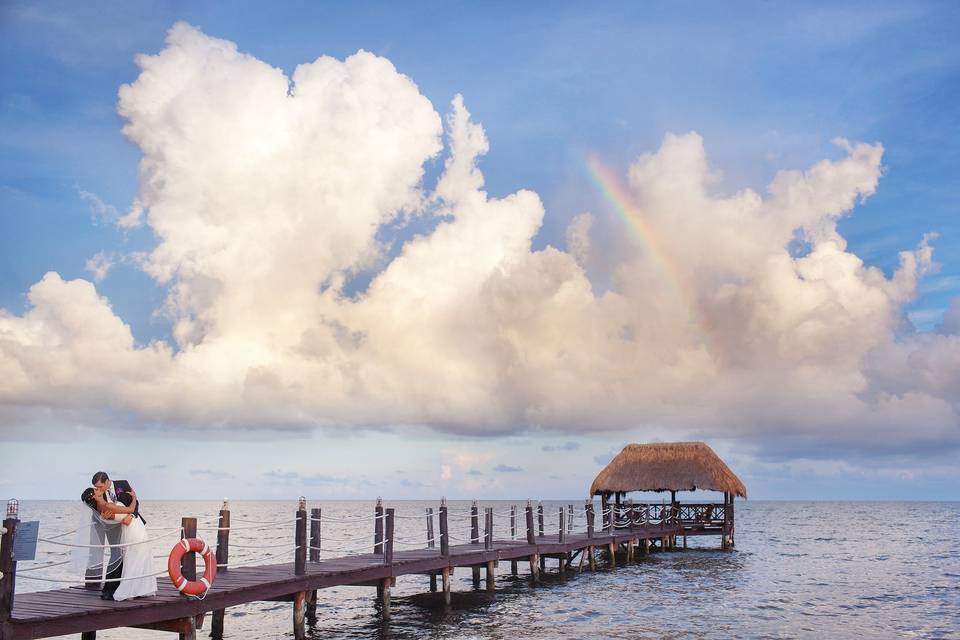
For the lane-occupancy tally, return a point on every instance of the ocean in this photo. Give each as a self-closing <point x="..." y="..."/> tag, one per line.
<point x="799" y="570"/>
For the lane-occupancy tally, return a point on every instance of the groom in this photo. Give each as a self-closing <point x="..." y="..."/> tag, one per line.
<point x="115" y="566"/>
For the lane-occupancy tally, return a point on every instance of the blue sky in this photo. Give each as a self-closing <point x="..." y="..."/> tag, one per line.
<point x="768" y="87"/>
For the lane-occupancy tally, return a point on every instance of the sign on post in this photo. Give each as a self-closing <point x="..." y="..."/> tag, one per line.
<point x="25" y="541"/>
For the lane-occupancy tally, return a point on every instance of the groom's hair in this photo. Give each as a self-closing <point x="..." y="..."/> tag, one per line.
<point x="100" y="476"/>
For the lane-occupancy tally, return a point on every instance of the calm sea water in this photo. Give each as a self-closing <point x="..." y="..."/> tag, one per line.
<point x="800" y="569"/>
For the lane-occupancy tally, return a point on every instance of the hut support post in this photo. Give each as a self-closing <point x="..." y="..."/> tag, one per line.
<point x="223" y="559"/>
<point x="726" y="520"/>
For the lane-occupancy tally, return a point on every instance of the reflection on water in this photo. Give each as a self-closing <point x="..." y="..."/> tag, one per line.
<point x="875" y="570"/>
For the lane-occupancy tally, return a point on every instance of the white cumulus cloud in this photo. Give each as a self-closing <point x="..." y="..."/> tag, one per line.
<point x="266" y="193"/>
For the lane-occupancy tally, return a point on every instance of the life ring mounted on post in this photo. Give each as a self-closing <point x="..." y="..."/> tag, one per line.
<point x="196" y="588"/>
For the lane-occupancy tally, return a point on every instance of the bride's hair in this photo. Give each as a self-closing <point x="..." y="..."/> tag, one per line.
<point x="87" y="498"/>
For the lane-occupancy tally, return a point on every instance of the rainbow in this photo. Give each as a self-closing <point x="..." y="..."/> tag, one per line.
<point x="648" y="236"/>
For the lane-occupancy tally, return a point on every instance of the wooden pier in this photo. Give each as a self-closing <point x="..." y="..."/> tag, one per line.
<point x="617" y="534"/>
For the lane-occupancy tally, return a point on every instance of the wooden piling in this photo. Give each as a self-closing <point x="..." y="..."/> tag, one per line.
<point x="592" y="557"/>
<point x="563" y="566"/>
<point x="445" y="573"/>
<point x="563" y="526"/>
<point x="513" y="536"/>
<point x="384" y="593"/>
<point x="431" y="544"/>
<point x="543" y="559"/>
<point x="531" y="539"/>
<point x="491" y="576"/>
<point x="299" y="615"/>
<point x="388" y="532"/>
<point x="223" y="559"/>
<point x="8" y="565"/>
<point x="188" y="625"/>
<point x="300" y="568"/>
<point x="475" y="539"/>
<point x="612" y="549"/>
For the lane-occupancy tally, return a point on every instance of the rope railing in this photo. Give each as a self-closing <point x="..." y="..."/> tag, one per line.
<point x="74" y="581"/>
<point x="109" y="546"/>
<point x="352" y="519"/>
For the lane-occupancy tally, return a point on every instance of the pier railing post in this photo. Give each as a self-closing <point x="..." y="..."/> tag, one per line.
<point x="540" y="518"/>
<point x="316" y="517"/>
<point x="489" y="528"/>
<point x="223" y="559"/>
<point x="8" y="564"/>
<point x="388" y="535"/>
<point x="475" y="539"/>
<point x="531" y="540"/>
<point x="431" y="541"/>
<point x="223" y="538"/>
<point x="588" y="510"/>
<point x="569" y="518"/>
<point x="474" y="524"/>
<point x="300" y="554"/>
<point x="563" y="525"/>
<point x="445" y="550"/>
<point x="188" y="565"/>
<point x="444" y="529"/>
<point x="605" y="512"/>
<point x="378" y="527"/>
<point x="513" y="535"/>
<point x="530" y="532"/>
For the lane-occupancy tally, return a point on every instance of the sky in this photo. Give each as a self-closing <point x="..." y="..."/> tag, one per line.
<point x="473" y="250"/>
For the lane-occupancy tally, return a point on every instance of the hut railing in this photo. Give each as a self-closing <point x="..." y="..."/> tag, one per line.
<point x="702" y="514"/>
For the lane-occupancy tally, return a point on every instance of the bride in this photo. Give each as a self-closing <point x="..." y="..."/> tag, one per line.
<point x="135" y="579"/>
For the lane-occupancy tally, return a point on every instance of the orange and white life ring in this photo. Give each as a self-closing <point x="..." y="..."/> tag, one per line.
<point x="192" y="587"/>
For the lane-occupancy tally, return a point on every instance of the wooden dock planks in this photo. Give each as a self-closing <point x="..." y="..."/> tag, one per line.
<point x="74" y="610"/>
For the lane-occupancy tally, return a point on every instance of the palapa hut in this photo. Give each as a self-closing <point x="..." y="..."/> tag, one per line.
<point x="675" y="466"/>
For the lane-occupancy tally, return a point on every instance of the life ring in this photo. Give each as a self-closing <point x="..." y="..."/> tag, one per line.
<point x="192" y="587"/>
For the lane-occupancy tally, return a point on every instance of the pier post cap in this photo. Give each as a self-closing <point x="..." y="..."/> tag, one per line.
<point x="226" y="505"/>
<point x="303" y="503"/>
<point x="379" y="501"/>
<point x="529" y="503"/>
<point x="13" y="508"/>
<point x="474" y="502"/>
<point x="443" y="501"/>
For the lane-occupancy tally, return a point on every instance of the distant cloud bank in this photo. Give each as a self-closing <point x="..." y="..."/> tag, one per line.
<point x="266" y="194"/>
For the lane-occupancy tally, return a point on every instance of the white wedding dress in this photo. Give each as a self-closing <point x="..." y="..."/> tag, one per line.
<point x="137" y="562"/>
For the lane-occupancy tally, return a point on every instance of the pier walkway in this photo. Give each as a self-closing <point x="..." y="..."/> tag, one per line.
<point x="623" y="533"/>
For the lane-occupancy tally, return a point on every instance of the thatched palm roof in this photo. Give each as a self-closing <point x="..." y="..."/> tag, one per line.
<point x="667" y="466"/>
